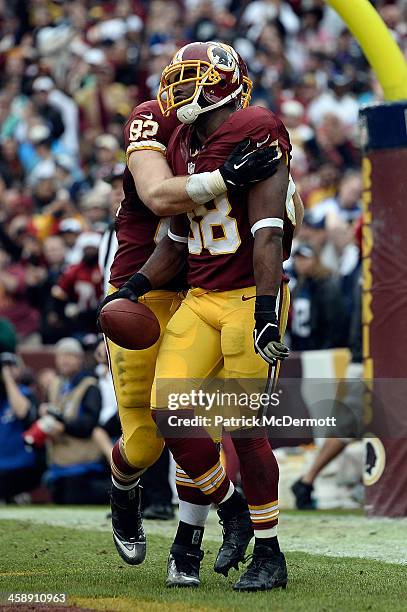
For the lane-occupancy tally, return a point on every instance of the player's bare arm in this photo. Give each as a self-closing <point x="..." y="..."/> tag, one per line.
<point x="167" y="195"/>
<point x="166" y="262"/>
<point x="266" y="216"/>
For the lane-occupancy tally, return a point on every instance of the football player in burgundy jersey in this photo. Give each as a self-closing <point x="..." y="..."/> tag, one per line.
<point x="150" y="194"/>
<point x="236" y="246"/>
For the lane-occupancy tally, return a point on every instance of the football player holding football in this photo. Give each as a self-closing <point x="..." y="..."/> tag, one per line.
<point x="151" y="194"/>
<point x="236" y="310"/>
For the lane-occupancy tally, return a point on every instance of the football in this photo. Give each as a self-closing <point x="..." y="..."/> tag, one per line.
<point x="129" y="324"/>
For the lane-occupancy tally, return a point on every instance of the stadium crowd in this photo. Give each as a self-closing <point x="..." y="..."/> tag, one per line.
<point x="70" y="74"/>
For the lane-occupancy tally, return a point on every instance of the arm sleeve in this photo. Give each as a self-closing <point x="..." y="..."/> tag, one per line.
<point x="88" y="417"/>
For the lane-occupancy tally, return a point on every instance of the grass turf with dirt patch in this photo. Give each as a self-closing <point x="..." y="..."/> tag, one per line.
<point x="83" y="564"/>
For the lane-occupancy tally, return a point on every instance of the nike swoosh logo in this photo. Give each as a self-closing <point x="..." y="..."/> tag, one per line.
<point x="150" y="116"/>
<point x="129" y="552"/>
<point x="259" y="144"/>
<point x="237" y="166"/>
<point x="246" y="299"/>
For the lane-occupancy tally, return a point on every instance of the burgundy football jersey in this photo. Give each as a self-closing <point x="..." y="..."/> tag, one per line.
<point x="138" y="229"/>
<point x="220" y="241"/>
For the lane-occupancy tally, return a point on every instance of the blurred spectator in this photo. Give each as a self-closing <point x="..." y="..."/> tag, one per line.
<point x="101" y="97"/>
<point x="346" y="206"/>
<point x="95" y="207"/>
<point x="14" y="303"/>
<point x="75" y="474"/>
<point x="292" y="115"/>
<point x="70" y="229"/>
<point x="50" y="114"/>
<point x="106" y="150"/>
<point x="44" y="165"/>
<point x="332" y="142"/>
<point x="318" y="319"/>
<point x="20" y="470"/>
<point x="68" y="111"/>
<point x="40" y="280"/>
<point x="79" y="288"/>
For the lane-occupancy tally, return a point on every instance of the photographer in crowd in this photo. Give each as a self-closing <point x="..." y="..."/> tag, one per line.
<point x="76" y="472"/>
<point x="19" y="469"/>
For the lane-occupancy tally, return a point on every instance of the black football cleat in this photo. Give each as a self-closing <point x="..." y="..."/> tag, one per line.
<point x="127" y="524"/>
<point x="267" y="570"/>
<point x="183" y="566"/>
<point x="237" y="533"/>
<point x="303" y="495"/>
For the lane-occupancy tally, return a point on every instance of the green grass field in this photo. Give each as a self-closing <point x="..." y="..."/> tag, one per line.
<point x="336" y="561"/>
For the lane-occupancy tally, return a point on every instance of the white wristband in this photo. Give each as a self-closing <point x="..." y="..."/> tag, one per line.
<point x="176" y="238"/>
<point x="205" y="186"/>
<point x="267" y="222"/>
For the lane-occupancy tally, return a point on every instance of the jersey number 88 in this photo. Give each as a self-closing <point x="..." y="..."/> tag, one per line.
<point x="202" y="235"/>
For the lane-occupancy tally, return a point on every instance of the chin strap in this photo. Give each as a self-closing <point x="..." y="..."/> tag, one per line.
<point x="189" y="113"/>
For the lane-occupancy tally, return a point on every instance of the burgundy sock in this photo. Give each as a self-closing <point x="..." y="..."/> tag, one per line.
<point x="123" y="473"/>
<point x="195" y="452"/>
<point x="259" y="472"/>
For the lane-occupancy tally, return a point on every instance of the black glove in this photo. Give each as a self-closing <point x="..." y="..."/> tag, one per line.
<point x="244" y="166"/>
<point x="135" y="287"/>
<point x="266" y="334"/>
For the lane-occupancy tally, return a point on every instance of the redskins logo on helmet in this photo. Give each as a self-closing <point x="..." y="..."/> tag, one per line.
<point x="247" y="82"/>
<point x="201" y="78"/>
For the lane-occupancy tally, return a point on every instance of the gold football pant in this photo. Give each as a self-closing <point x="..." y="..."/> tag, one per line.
<point x="211" y="329"/>
<point x="133" y="374"/>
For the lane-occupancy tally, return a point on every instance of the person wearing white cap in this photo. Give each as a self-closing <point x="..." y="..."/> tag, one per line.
<point x="101" y="97"/>
<point x="76" y="472"/>
<point x="51" y="115"/>
<point x="67" y="109"/>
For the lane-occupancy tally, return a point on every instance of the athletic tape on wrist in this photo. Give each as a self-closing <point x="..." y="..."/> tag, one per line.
<point x="205" y="186"/>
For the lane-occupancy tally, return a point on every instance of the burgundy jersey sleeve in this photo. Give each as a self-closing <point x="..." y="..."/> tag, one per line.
<point x="147" y="128"/>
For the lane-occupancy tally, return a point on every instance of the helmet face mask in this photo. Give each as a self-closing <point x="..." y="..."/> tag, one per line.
<point x="202" y="77"/>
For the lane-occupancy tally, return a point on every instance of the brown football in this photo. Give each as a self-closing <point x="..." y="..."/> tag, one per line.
<point x="129" y="324"/>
